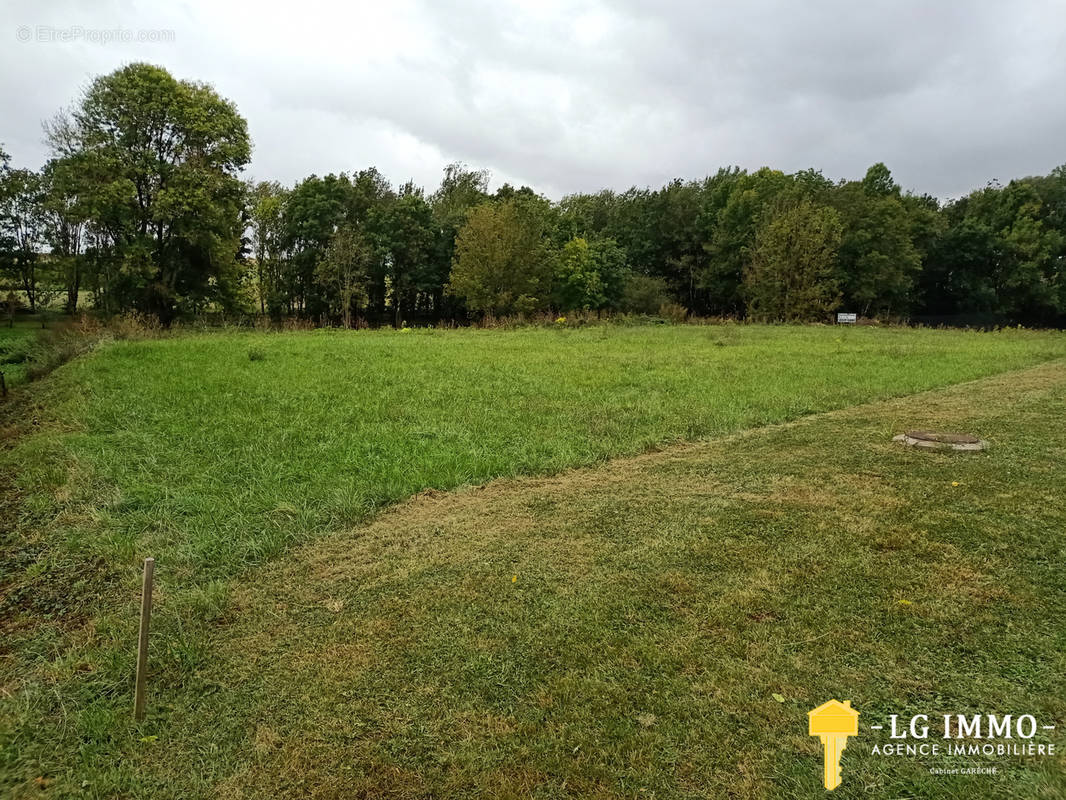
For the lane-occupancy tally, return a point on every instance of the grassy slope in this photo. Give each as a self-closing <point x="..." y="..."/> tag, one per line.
<point x="224" y="461"/>
<point x="621" y="631"/>
<point x="14" y="344"/>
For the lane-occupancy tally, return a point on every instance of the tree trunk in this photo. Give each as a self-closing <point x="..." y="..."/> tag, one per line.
<point x="73" y="287"/>
<point x="29" y="285"/>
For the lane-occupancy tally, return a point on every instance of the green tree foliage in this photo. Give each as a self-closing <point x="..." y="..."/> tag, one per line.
<point x="142" y="203"/>
<point x="314" y="210"/>
<point x="585" y="215"/>
<point x="406" y="240"/>
<point x="503" y="260"/>
<point x="878" y="262"/>
<point x="154" y="162"/>
<point x="22" y="228"/>
<point x="1002" y="254"/>
<point x="679" y="207"/>
<point x="343" y="271"/>
<point x="461" y="190"/>
<point x="738" y="212"/>
<point x="878" y="182"/>
<point x="64" y="230"/>
<point x="644" y="294"/>
<point x="7" y="241"/>
<point x="266" y="202"/>
<point x="589" y="275"/>
<point x="790" y="275"/>
<point x="369" y="191"/>
<point x="1029" y="279"/>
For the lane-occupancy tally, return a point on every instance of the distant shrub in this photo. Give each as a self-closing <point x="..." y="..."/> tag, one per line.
<point x="133" y="325"/>
<point x="256" y="354"/>
<point x="673" y="312"/>
<point x="15" y="351"/>
<point x="637" y="320"/>
<point x="643" y="294"/>
<point x="298" y="324"/>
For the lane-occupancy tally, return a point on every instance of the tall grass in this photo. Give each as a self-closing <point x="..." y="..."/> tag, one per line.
<point x="187" y="448"/>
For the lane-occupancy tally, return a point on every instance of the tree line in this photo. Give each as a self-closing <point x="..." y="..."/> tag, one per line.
<point x="142" y="205"/>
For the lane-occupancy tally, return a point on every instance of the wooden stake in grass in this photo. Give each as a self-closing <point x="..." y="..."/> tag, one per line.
<point x="142" y="640"/>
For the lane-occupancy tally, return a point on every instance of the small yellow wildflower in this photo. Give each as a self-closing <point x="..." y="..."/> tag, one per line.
<point x="514" y="579"/>
<point x="905" y="603"/>
<point x="954" y="483"/>
<point x="560" y="321"/>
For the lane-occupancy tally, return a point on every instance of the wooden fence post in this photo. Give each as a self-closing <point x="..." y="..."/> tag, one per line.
<point x="142" y="639"/>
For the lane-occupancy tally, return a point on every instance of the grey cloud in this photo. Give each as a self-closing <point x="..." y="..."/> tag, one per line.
<point x="575" y="96"/>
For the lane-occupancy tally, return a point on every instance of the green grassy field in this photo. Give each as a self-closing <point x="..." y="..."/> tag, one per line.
<point x="615" y="632"/>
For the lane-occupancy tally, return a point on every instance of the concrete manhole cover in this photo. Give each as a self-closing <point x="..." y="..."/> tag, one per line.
<point x="941" y="441"/>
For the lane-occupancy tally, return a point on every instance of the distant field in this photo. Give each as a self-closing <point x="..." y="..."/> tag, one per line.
<point x="187" y="449"/>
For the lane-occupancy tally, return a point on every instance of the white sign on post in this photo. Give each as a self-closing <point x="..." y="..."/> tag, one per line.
<point x="845" y="318"/>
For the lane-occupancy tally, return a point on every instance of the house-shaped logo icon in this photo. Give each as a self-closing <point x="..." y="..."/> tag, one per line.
<point x="833" y="722"/>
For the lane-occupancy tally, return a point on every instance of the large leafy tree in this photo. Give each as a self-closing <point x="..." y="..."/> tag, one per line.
<point x="22" y="228"/>
<point x="878" y="181"/>
<point x="156" y="163"/>
<point x="404" y="231"/>
<point x="503" y="260"/>
<point x="7" y="242"/>
<point x="369" y="193"/>
<point x="683" y="258"/>
<point x="314" y="211"/>
<point x="790" y="275"/>
<point x="1029" y="276"/>
<point x="585" y="216"/>
<point x="878" y="263"/>
<point x="266" y="203"/>
<point x="589" y="275"/>
<point x="1002" y="254"/>
<point x="461" y="189"/>
<point x="738" y="212"/>
<point x="343" y="270"/>
<point x="64" y="229"/>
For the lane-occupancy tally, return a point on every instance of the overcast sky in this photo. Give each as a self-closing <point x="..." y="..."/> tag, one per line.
<point x="577" y="96"/>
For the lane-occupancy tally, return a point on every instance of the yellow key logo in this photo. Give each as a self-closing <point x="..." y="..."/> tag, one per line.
<point x="833" y="723"/>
